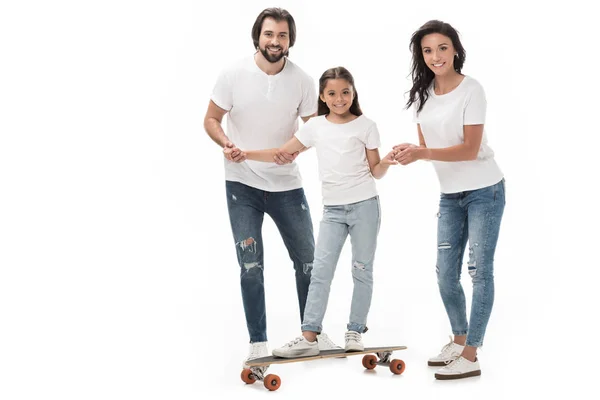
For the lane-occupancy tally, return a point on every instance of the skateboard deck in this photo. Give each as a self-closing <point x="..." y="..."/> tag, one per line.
<point x="373" y="356"/>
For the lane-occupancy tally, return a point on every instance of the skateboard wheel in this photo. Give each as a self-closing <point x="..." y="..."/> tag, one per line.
<point x="272" y="382"/>
<point x="397" y="366"/>
<point x="369" y="361"/>
<point x="248" y="376"/>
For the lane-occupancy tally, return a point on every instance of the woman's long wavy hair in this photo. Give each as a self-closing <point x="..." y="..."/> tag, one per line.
<point x="422" y="75"/>
<point x="337" y="73"/>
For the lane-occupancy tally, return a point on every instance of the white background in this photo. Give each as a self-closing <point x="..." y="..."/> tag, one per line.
<point x="118" y="275"/>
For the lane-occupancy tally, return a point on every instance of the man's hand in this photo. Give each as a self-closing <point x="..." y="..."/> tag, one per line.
<point x="232" y="153"/>
<point x="282" y="158"/>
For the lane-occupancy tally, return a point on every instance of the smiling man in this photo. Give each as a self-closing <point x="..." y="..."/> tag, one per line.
<point x="263" y="96"/>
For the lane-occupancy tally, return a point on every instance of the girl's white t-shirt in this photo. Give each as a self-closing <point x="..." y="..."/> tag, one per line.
<point x="343" y="167"/>
<point x="442" y="121"/>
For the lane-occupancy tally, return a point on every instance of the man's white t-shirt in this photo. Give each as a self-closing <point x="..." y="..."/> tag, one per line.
<point x="442" y="121"/>
<point x="343" y="167"/>
<point x="263" y="114"/>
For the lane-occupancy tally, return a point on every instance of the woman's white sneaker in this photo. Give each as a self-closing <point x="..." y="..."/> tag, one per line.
<point x="299" y="347"/>
<point x="449" y="353"/>
<point x="458" y="369"/>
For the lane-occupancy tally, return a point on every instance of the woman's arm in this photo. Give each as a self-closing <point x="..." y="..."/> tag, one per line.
<point x="466" y="151"/>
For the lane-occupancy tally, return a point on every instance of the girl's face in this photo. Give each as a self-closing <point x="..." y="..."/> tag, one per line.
<point x="438" y="53"/>
<point x="338" y="95"/>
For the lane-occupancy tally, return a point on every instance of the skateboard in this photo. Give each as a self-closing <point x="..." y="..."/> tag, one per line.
<point x="373" y="356"/>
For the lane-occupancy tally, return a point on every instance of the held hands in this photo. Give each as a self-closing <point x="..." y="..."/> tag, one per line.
<point x="232" y="153"/>
<point x="389" y="159"/>
<point x="407" y="153"/>
<point x="282" y="158"/>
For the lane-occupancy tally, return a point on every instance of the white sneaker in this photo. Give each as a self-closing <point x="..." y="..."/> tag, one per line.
<point x="257" y="350"/>
<point x="325" y="343"/>
<point x="450" y="352"/>
<point x="299" y="347"/>
<point x="354" y="341"/>
<point x="459" y="368"/>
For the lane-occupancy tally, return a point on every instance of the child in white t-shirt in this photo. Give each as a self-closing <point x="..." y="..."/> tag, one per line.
<point x="347" y="145"/>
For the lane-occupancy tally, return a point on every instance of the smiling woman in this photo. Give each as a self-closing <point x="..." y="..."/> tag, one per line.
<point x="450" y="109"/>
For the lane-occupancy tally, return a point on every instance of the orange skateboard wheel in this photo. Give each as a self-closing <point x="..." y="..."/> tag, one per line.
<point x="397" y="366"/>
<point x="248" y="376"/>
<point x="272" y="382"/>
<point x="369" y="361"/>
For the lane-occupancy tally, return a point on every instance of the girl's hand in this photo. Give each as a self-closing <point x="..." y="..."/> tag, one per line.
<point x="389" y="159"/>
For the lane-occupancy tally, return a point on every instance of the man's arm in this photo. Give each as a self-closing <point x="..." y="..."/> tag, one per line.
<point x="212" y="126"/>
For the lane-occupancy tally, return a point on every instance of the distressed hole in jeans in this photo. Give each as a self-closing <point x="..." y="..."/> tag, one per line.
<point x="304" y="207"/>
<point x="249" y="244"/>
<point x="307" y="267"/>
<point x="472" y="266"/>
<point x="444" y="246"/>
<point x="251" y="265"/>
<point x="439" y="215"/>
<point x="233" y="197"/>
<point x="359" y="265"/>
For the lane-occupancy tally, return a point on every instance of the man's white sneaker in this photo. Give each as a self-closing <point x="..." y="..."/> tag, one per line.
<point x="459" y="368"/>
<point x="449" y="353"/>
<point x="354" y="341"/>
<point x="325" y="343"/>
<point x="257" y="350"/>
<point x="299" y="347"/>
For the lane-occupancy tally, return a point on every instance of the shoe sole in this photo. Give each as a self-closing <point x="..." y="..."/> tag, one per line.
<point x="438" y="363"/>
<point x="444" y="377"/>
<point x="351" y="349"/>
<point x="289" y="355"/>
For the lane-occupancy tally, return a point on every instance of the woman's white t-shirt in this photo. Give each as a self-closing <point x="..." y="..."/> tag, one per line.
<point x="442" y="121"/>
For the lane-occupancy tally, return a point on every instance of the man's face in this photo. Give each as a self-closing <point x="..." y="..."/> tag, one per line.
<point x="274" y="40"/>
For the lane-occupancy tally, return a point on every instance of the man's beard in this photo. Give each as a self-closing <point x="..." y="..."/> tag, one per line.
<point x="273" y="58"/>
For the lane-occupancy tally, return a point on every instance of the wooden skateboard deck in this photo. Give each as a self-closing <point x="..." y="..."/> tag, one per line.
<point x="373" y="356"/>
<point x="264" y="361"/>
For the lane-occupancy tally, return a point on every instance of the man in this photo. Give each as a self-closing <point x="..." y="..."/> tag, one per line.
<point x="263" y="96"/>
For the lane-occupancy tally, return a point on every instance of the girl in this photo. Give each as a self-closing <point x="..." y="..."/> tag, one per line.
<point x="347" y="151"/>
<point x="449" y="110"/>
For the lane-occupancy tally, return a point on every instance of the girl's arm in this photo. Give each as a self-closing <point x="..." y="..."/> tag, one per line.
<point x="466" y="151"/>
<point x="268" y="155"/>
<point x="379" y="166"/>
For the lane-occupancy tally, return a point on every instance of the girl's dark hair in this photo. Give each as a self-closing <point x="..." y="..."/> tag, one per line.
<point x="278" y="14"/>
<point x="422" y="75"/>
<point x="337" y="73"/>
